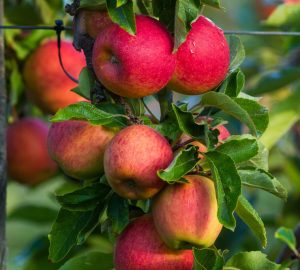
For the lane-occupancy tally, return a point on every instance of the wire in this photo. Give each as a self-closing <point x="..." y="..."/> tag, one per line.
<point x="29" y="27"/>
<point x="261" y="33"/>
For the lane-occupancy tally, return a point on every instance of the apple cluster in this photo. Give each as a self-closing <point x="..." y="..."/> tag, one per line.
<point x="134" y="66"/>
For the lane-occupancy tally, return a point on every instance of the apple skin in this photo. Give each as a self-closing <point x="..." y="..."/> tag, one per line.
<point x="139" y="247"/>
<point x="132" y="159"/>
<point x="95" y="21"/>
<point x="134" y="66"/>
<point x="28" y="160"/>
<point x="78" y="147"/>
<point x="292" y="1"/>
<point x="187" y="213"/>
<point x="202" y="60"/>
<point x="47" y="85"/>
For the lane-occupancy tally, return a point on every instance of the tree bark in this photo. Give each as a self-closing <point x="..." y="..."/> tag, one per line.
<point x="2" y="148"/>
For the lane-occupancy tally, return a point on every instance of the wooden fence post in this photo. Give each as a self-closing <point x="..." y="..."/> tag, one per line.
<point x="2" y="147"/>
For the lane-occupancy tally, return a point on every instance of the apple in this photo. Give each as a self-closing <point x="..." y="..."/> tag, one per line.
<point x="132" y="159"/>
<point x="138" y="65"/>
<point x="28" y="160"/>
<point x="265" y="8"/>
<point x="187" y="213"/>
<point x="47" y="85"/>
<point x="94" y="21"/>
<point x="78" y="147"/>
<point x="292" y="1"/>
<point x="202" y="60"/>
<point x="139" y="247"/>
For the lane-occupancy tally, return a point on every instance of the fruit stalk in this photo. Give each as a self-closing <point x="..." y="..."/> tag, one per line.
<point x="2" y="147"/>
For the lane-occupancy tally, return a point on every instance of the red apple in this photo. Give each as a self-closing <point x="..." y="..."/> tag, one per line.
<point x="265" y="8"/>
<point x="202" y="60"/>
<point x="139" y="247"/>
<point x="134" y="66"/>
<point x="132" y="159"/>
<point x="292" y="1"/>
<point x="187" y="213"/>
<point x="48" y="86"/>
<point x="28" y="160"/>
<point x="78" y="147"/>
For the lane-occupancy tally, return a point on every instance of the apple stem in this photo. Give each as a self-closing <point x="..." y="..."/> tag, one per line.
<point x="180" y="145"/>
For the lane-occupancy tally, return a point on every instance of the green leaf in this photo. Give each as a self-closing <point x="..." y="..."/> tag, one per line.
<point x="164" y="97"/>
<point x="212" y="3"/>
<point x="237" y="53"/>
<point x="87" y="111"/>
<point x="274" y="80"/>
<point x="145" y="7"/>
<point x="90" y="260"/>
<point x="33" y="213"/>
<point x="247" y="111"/>
<point x="228" y="186"/>
<point x="86" y="83"/>
<point x="250" y="217"/>
<point x="187" y="124"/>
<point x="285" y="15"/>
<point x="208" y="259"/>
<point x="184" y="162"/>
<point x="169" y="128"/>
<point x="122" y="15"/>
<point x="260" y="161"/>
<point x="136" y="105"/>
<point x="235" y="83"/>
<point x="186" y="12"/>
<point x="165" y="11"/>
<point x="283" y="115"/>
<point x="84" y="199"/>
<point x="254" y="260"/>
<point x="258" y="178"/>
<point x="95" y="4"/>
<point x="118" y="213"/>
<point x="64" y="233"/>
<point x="240" y="148"/>
<point x="288" y="237"/>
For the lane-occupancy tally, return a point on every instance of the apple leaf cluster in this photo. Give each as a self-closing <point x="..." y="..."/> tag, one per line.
<point x="233" y="163"/>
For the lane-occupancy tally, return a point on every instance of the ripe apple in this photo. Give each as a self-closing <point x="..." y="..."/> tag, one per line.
<point x="94" y="21"/>
<point x="28" y="160"/>
<point x="47" y="85"/>
<point x="132" y="159"/>
<point x="138" y="65"/>
<point x="187" y="213"/>
<point x="78" y="147"/>
<point x="202" y="60"/>
<point x="139" y="247"/>
<point x="265" y="8"/>
<point x="292" y="1"/>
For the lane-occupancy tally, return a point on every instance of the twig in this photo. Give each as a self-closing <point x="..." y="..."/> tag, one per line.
<point x="149" y="111"/>
<point x="182" y="144"/>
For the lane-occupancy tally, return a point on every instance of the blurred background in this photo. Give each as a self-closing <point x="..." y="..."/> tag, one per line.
<point x="272" y="70"/>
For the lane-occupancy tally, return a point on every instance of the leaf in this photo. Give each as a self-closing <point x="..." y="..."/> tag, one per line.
<point x="212" y="3"/>
<point x="186" y="12"/>
<point x="165" y="11"/>
<point x="274" y="80"/>
<point x="235" y="83"/>
<point x="184" y="162"/>
<point x="187" y="124"/>
<point x="237" y="53"/>
<point x="96" y="4"/>
<point x="65" y="231"/>
<point x="164" y="97"/>
<point x="208" y="259"/>
<point x="33" y="213"/>
<point x="250" y="217"/>
<point x="247" y="111"/>
<point x="258" y="178"/>
<point x="122" y="15"/>
<point x="283" y="115"/>
<point x="84" y="199"/>
<point x="136" y="105"/>
<point x="169" y="128"/>
<point x="240" y="148"/>
<point x="118" y="213"/>
<point x="87" y="111"/>
<point x="284" y="15"/>
<point x="288" y="237"/>
<point x="228" y="186"/>
<point x="259" y="161"/>
<point x="145" y="7"/>
<point x="90" y="260"/>
<point x="254" y="260"/>
<point x="86" y="83"/>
